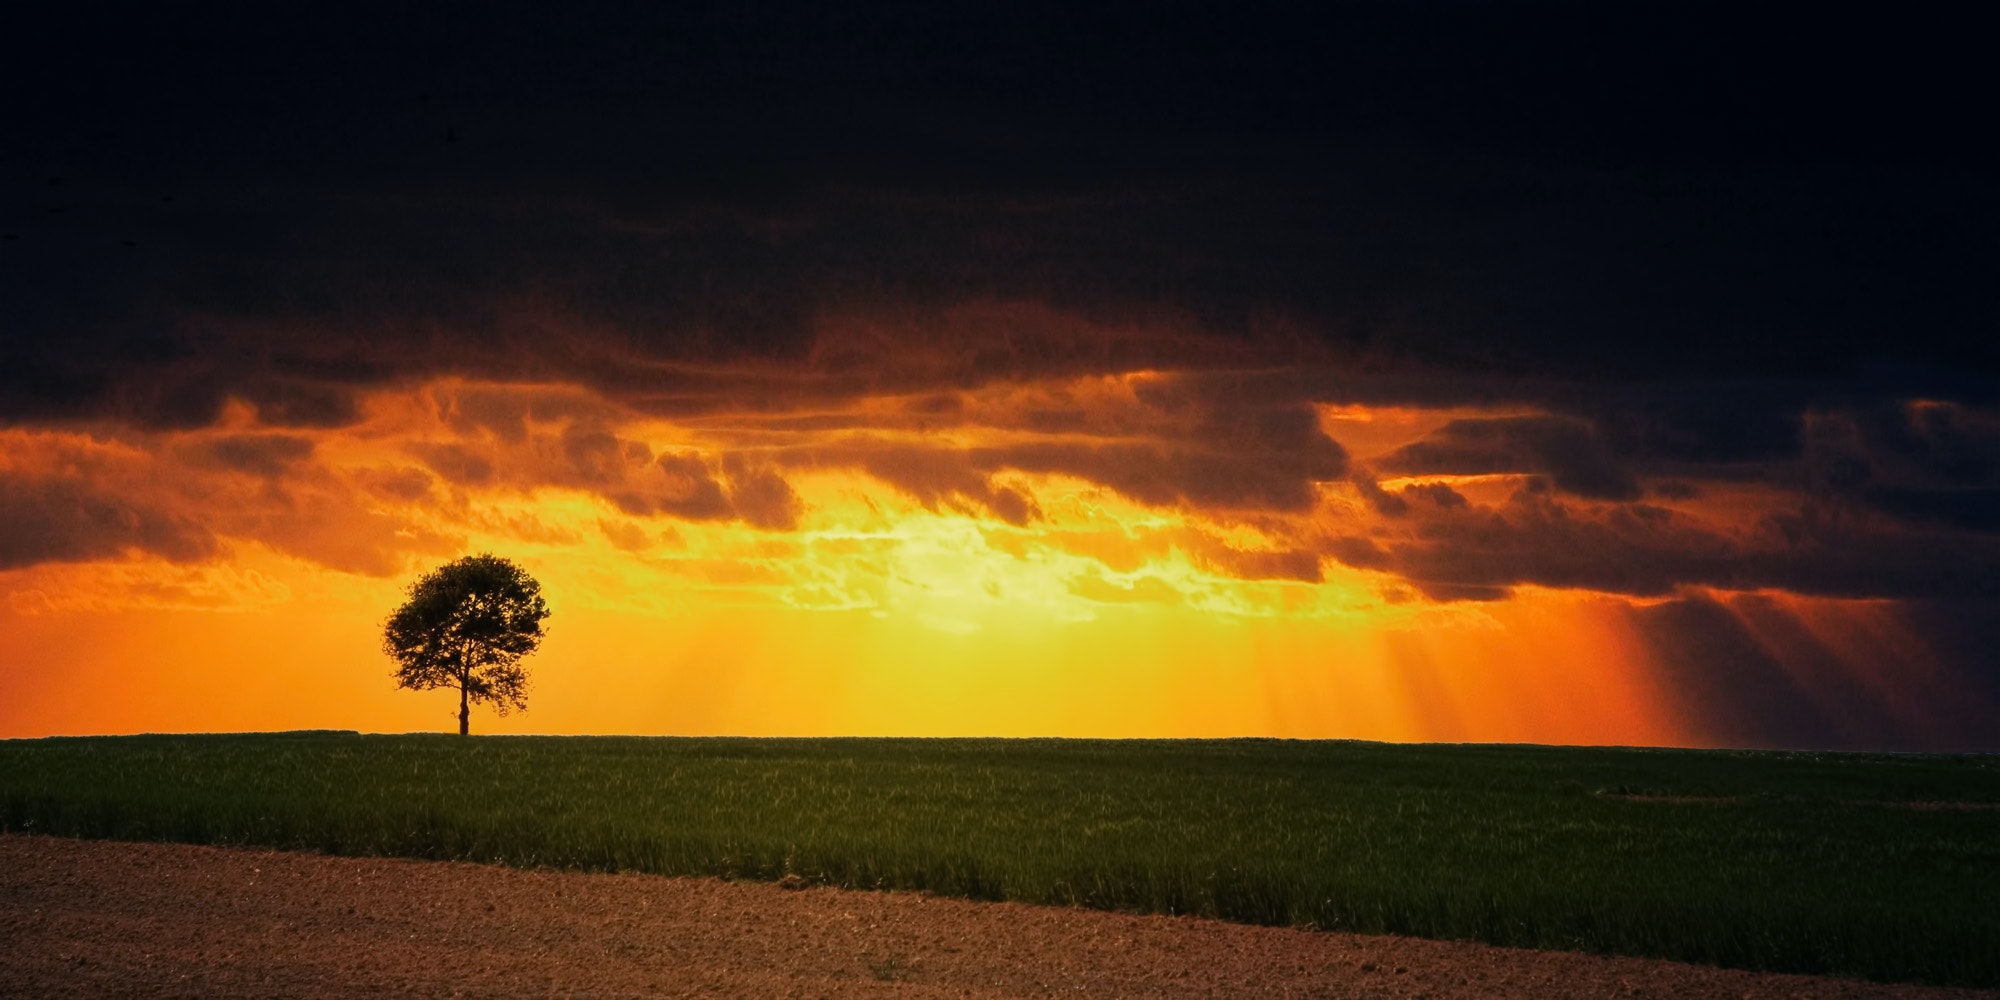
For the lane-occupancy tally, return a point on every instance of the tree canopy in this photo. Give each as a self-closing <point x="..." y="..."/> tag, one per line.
<point x="466" y="625"/>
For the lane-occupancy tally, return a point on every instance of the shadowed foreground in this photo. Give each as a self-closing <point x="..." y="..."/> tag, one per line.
<point x="96" y="918"/>
<point x="1877" y="866"/>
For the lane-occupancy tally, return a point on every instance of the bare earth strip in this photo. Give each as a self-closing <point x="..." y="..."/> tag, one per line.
<point x="102" y="919"/>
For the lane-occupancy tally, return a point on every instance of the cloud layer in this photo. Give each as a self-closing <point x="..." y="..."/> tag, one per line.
<point x="1483" y="486"/>
<point x="1349" y="310"/>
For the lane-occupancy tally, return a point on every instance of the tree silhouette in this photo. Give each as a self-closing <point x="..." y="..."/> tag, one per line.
<point x="466" y="626"/>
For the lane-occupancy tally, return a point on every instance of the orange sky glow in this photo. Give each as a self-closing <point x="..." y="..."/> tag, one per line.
<point x="1066" y="555"/>
<point x="842" y="373"/>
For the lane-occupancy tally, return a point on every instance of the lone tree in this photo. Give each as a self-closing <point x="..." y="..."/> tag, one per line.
<point x="466" y="626"/>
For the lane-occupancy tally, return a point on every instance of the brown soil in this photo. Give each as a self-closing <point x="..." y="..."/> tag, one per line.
<point x="101" y="919"/>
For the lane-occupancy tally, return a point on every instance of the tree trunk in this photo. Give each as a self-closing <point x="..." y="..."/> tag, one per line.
<point x="464" y="713"/>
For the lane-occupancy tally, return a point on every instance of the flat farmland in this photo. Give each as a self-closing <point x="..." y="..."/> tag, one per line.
<point x="1874" y="866"/>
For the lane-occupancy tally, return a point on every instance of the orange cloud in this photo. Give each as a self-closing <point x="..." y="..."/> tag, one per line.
<point x="1046" y="515"/>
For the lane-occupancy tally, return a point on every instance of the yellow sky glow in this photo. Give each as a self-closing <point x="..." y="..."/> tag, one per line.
<point x="1030" y="602"/>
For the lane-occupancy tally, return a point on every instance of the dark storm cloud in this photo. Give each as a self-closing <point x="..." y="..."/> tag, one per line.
<point x="65" y="520"/>
<point x="1932" y="463"/>
<point x="536" y="283"/>
<point x="1178" y="448"/>
<point x="1703" y="245"/>
<point x="1204" y="478"/>
<point x="300" y="403"/>
<point x="1566" y="449"/>
<point x="692" y="491"/>
<point x="593" y="457"/>
<point x="379" y="194"/>
<point x="762" y="498"/>
<point x="259" y="454"/>
<point x="584" y="455"/>
<point x="1437" y="494"/>
<point x="404" y="485"/>
<point x="455" y="463"/>
<point x="1965" y="509"/>
<point x="1456" y="550"/>
<point x="933" y="476"/>
<point x="695" y="488"/>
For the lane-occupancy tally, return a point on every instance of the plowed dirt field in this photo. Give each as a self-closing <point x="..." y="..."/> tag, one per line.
<point x="106" y="919"/>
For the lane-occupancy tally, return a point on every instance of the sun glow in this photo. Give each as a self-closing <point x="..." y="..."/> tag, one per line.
<point x="1043" y="558"/>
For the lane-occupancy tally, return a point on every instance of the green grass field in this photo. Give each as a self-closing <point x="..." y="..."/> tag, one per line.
<point x="1868" y="865"/>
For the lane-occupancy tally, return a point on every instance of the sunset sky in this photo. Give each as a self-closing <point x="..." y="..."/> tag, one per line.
<point x="1409" y="373"/>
